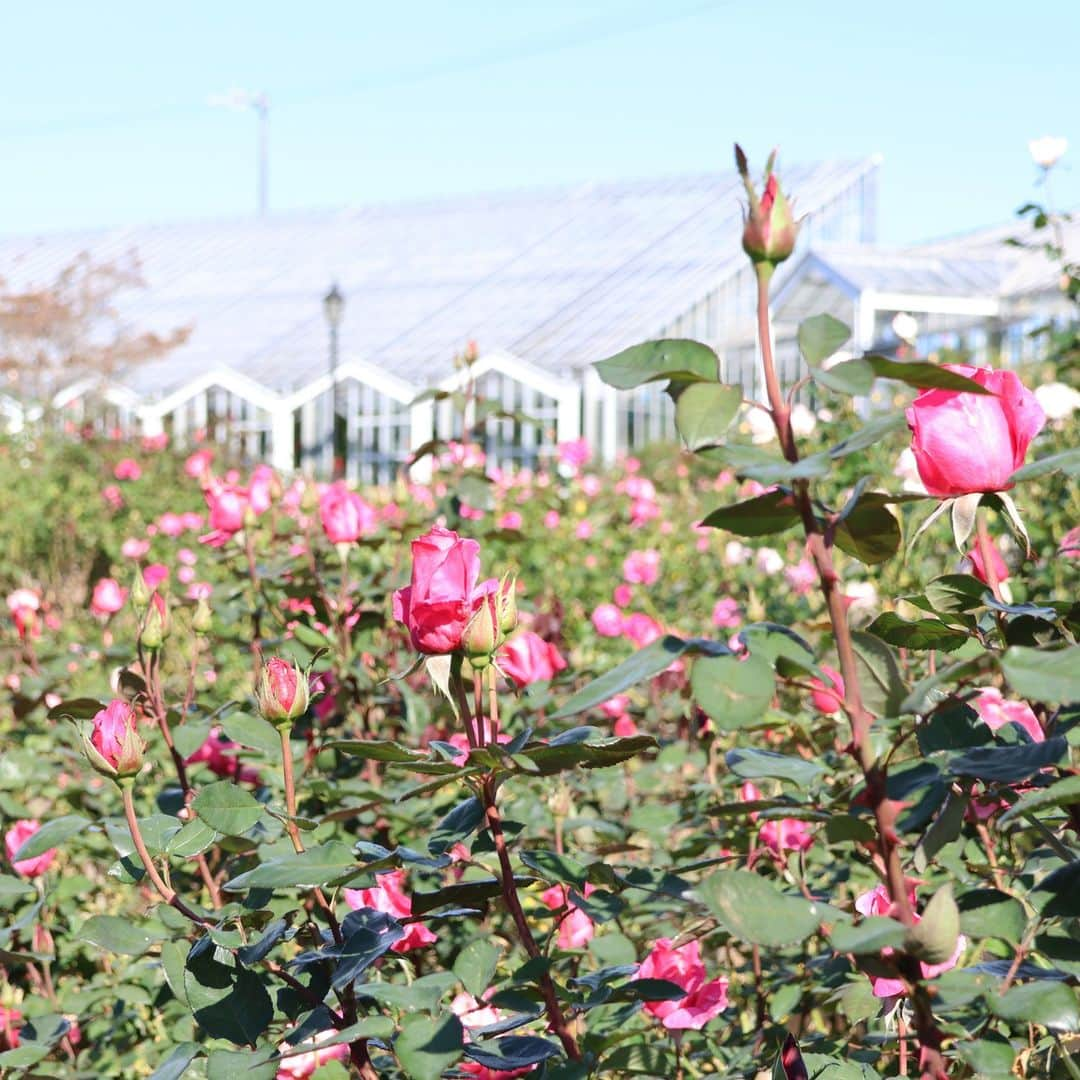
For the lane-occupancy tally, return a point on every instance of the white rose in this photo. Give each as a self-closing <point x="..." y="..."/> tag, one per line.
<point x="735" y="554"/>
<point x="1047" y="151"/>
<point x="1058" y="401"/>
<point x="769" y="562"/>
<point x="762" y="428"/>
<point x="803" y="421"/>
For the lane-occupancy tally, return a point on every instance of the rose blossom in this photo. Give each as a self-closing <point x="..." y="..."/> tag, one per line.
<point x="683" y="966"/>
<point x="978" y="567"/>
<point x="877" y="902"/>
<point x="510" y="520"/>
<point x="14" y="839"/>
<point x="828" y="697"/>
<point x="444" y="593"/>
<point x="24" y="605"/>
<point x="1070" y="543"/>
<point x="622" y="595"/>
<point x="576" y="928"/>
<point x="114" y="745"/>
<point x="227" y="505"/>
<point x="574" y="453"/>
<point x="389" y="897"/>
<point x="995" y="712"/>
<point x="642" y="629"/>
<point x="607" y="620"/>
<point x="127" y="469"/>
<point x="198" y="463"/>
<point x="108" y="597"/>
<point x="304" y="1065"/>
<point x="528" y="658"/>
<point x="345" y="516"/>
<point x="965" y="442"/>
<point x="726" y="613"/>
<point x="642" y="567"/>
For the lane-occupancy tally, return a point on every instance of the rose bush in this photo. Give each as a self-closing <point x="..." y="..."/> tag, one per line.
<point x="738" y="761"/>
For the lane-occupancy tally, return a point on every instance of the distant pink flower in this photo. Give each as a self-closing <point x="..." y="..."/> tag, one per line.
<point x="170" y="524"/>
<point x="200" y="590"/>
<point x="624" y="727"/>
<point x="576" y="928"/>
<point x="187" y="557"/>
<point x="389" y="896"/>
<point x="198" y="463"/>
<point x="642" y="511"/>
<point x="261" y="488"/>
<point x="24" y="605"/>
<point x="995" y="712"/>
<point x="127" y="469"/>
<point x="155" y="574"/>
<point x="528" y="658"/>
<point x="133" y="548"/>
<point x="228" y="504"/>
<point x="607" y="619"/>
<point x="552" y="519"/>
<point x="591" y="486"/>
<point x="108" y="598"/>
<point x="14" y="839"/>
<point x="642" y="629"/>
<point x="155" y="443"/>
<point x="642" y="567"/>
<point x="510" y="520"/>
<point x="574" y="453"/>
<point x="623" y="595"/>
<point x="216" y="753"/>
<point x="978" y="567"/>
<point x="345" y="516"/>
<point x="726" y="614"/>
<point x="802" y="577"/>
<point x="304" y="1065"/>
<point x="113" y="496"/>
<point x="615" y="706"/>
<point x="703" y="1001"/>
<point x="785" y="834"/>
<point x="583" y="530"/>
<point x="1070" y="543"/>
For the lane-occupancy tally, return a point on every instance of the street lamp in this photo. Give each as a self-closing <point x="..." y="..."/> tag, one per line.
<point x="334" y="311"/>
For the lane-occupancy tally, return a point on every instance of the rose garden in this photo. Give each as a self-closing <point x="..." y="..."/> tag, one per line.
<point x="751" y="757"/>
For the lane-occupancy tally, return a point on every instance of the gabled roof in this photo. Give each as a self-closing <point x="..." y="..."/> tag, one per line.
<point x="559" y="277"/>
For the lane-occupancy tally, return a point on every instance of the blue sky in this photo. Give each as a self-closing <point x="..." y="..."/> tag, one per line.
<point x="105" y="121"/>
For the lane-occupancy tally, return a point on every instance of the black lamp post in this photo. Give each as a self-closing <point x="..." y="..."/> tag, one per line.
<point x="334" y="310"/>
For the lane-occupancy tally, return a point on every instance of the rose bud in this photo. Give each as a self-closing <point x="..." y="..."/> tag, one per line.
<point x="344" y="515"/>
<point x="769" y="230"/>
<point x="155" y="627"/>
<point x="482" y="636"/>
<point x="965" y="443"/>
<point x="203" y="619"/>
<point x="112" y="745"/>
<point x="140" y="592"/>
<point x="507" y="601"/>
<point x="282" y="691"/>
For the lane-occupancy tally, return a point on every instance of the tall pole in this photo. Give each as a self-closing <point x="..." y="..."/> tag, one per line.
<point x="338" y="459"/>
<point x="261" y="104"/>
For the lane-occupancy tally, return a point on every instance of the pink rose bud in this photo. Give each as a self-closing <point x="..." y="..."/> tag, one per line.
<point x="113" y="745"/>
<point x="608" y="620"/>
<point x="282" y="691"/>
<point x="345" y="516"/>
<point x="641" y="567"/>
<point x="528" y="658"/>
<point x="828" y="697"/>
<point x="482" y="636"/>
<point x="978" y="567"/>
<point x="769" y="229"/>
<point x="14" y="839"/>
<point x="155" y="626"/>
<point x="964" y="442"/>
<point x="444" y="593"/>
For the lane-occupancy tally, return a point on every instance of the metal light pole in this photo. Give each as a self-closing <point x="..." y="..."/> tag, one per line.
<point x="238" y="100"/>
<point x="334" y="311"/>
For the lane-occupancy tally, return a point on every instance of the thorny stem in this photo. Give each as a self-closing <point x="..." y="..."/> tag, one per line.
<point x="931" y="1059"/>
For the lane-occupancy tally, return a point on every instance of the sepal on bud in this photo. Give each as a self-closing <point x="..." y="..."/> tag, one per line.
<point x="282" y="691"/>
<point x="155" y="626"/>
<point x="140" y="593"/>
<point x="507" y="603"/>
<point x="483" y="636"/>
<point x="769" y="227"/>
<point x="111" y="742"/>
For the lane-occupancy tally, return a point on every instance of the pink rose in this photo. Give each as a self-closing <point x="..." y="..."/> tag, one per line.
<point x="115" y="739"/>
<point x="133" y="548"/>
<point x="583" y="530"/>
<point x="389" y="897"/>
<point x="510" y="520"/>
<point x="978" y="567"/>
<point x="127" y="469"/>
<point x="14" y="839"/>
<point x="995" y="712"/>
<point x="575" y="928"/>
<point x="24" y="605"/>
<point x="528" y="658"/>
<point x="282" y="691"/>
<point x="785" y="834"/>
<point x="305" y="1065"/>
<point x="574" y="453"/>
<point x="726" y="614"/>
<point x="828" y="697"/>
<point x="607" y="620"/>
<point x="345" y="516"/>
<point x="642" y="629"/>
<point x="683" y="966"/>
<point x="11" y="1020"/>
<point x="877" y="902"/>
<point x="802" y="577"/>
<point x="552" y="519"/>
<point x="444" y="594"/>
<point x="155" y="574"/>
<point x="1070" y="543"/>
<point x="642" y="567"/>
<point x="967" y="442"/>
<point x="198" y="463"/>
<point x="216" y="753"/>
<point x="108" y="597"/>
<point x="112" y="495"/>
<point x="228" y="504"/>
<point x="261" y="488"/>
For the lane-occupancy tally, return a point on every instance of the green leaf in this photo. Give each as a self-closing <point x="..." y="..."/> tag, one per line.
<point x="991" y="1057"/>
<point x="882" y="684"/>
<point x="421" y="995"/>
<point x="552" y="866"/>
<point x="594" y="754"/>
<point x="704" y="411"/>
<point x="1046" y="675"/>
<point x="870" y="434"/>
<point x="919" y="635"/>
<point x="175" y="1065"/>
<point x="462" y="894"/>
<point x="427" y="1046"/>
<point x="734" y="693"/>
<point x="754" y="764"/>
<point x="638" y="667"/>
<point x="954" y="593"/>
<point x="755" y="911"/>
<point x="852" y="377"/>
<point x="310" y="869"/>
<point x="678" y="359"/>
<point x="194" y="838"/>
<point x="475" y="965"/>
<point x="376" y="750"/>
<point x="988" y="913"/>
<point x="228" y="1002"/>
<point x="763" y="515"/>
<point x="755" y="463"/>
<point x="1063" y="885"/>
<point x="933" y="938"/>
<point x="11" y="887"/>
<point x="923" y="375"/>
<point x="257" y="1064"/>
<point x="1067" y="462"/>
<point x="820" y="336"/>
<point x="1063" y="792"/>
<point x="513" y="1052"/>
<point x="1050" y="1004"/>
<point x="255" y="732"/>
<point x="1008" y="764"/>
<point x="51" y="834"/>
<point x="116" y="934"/>
<point x="869" y="533"/>
<point x="75" y="709"/>
<point x="227" y="807"/>
<point x="460" y="823"/>
<point x="869" y="936"/>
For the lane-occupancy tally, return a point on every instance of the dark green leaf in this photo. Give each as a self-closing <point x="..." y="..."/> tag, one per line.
<point x="1008" y="764"/>
<point x="733" y="692"/>
<point x="51" y="834"/>
<point x="313" y="868"/>
<point x="1044" y="675"/>
<point x="763" y="515"/>
<point x="923" y="375"/>
<point x="754" y="764"/>
<point x="459" y="824"/>
<point x="919" y="634"/>
<point x="513" y="1052"/>
<point x="475" y="965"/>
<point x="227" y="807"/>
<point x="1067" y="462"/>
<point x="116" y="934"/>
<point x="1049" y="1004"/>
<point x="255" y="732"/>
<point x="426" y="1046"/>
<point x="869" y="533"/>
<point x="1063" y="792"/>
<point x="989" y="913"/>
<point x="175" y="1065"/>
<point x="376" y="750"/>
<point x="869" y="936"/>
<point x="755" y="911"/>
<point x="229" y="1002"/>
